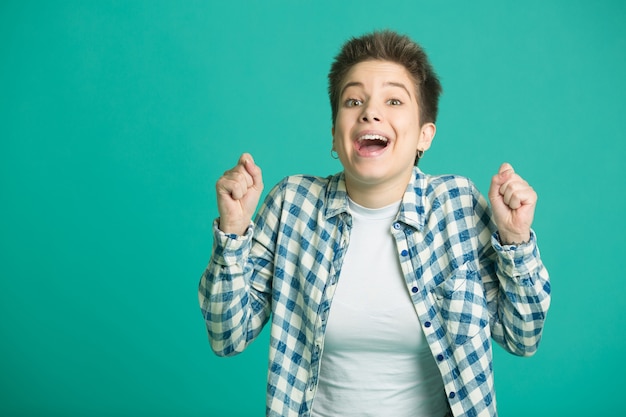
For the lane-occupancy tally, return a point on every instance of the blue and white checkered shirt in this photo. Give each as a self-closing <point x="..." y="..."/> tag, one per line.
<point x="466" y="287"/>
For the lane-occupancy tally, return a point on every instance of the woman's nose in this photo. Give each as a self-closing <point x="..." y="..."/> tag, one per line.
<point x="370" y="114"/>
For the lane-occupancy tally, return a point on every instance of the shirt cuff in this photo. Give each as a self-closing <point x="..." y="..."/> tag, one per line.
<point x="229" y="248"/>
<point x="517" y="261"/>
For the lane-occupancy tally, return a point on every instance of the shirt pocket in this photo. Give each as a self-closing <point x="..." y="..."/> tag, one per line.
<point x="462" y="305"/>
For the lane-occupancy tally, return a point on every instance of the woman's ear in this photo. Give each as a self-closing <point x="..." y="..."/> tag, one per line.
<point x="427" y="133"/>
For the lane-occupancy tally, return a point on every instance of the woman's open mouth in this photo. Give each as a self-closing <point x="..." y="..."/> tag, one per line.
<point x="371" y="144"/>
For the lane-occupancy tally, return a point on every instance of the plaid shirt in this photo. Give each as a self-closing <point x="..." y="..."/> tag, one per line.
<point x="466" y="287"/>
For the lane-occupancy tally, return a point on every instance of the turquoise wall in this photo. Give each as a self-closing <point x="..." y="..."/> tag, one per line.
<point x="117" y="118"/>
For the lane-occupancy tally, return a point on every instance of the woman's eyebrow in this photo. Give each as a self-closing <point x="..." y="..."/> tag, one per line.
<point x="396" y="84"/>
<point x="387" y="83"/>
<point x="350" y="84"/>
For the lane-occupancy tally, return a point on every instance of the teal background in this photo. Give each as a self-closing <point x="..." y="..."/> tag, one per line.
<point x="117" y="118"/>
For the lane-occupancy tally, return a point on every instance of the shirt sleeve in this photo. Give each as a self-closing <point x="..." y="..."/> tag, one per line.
<point x="235" y="289"/>
<point x="517" y="286"/>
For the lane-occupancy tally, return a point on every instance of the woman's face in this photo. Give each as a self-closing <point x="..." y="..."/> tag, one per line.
<point x="377" y="131"/>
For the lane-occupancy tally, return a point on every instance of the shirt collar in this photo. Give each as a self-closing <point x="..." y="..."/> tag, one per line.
<point x="336" y="196"/>
<point x="412" y="211"/>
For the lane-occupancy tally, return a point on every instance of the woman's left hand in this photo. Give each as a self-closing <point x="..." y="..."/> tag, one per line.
<point x="513" y="203"/>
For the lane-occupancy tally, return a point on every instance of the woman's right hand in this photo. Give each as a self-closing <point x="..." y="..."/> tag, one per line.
<point x="238" y="193"/>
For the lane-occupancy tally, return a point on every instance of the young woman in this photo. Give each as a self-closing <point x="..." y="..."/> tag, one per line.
<point x="383" y="286"/>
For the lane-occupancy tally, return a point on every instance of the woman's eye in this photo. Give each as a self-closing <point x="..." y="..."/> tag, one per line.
<point x="353" y="102"/>
<point x="394" y="102"/>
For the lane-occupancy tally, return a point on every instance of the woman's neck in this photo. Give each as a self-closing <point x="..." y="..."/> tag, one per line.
<point x="376" y="195"/>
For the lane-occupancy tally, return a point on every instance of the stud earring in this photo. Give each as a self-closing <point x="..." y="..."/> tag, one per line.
<point x="334" y="155"/>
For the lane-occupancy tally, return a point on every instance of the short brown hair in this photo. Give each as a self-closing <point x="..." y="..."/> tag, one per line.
<point x="388" y="46"/>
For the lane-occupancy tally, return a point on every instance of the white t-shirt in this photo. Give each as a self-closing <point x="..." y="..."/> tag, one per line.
<point x="376" y="361"/>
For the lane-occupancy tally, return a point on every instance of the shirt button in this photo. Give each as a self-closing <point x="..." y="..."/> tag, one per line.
<point x="404" y="252"/>
<point x="440" y="357"/>
<point x="452" y="395"/>
<point x="397" y="226"/>
<point x="414" y="290"/>
<point x="427" y="324"/>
